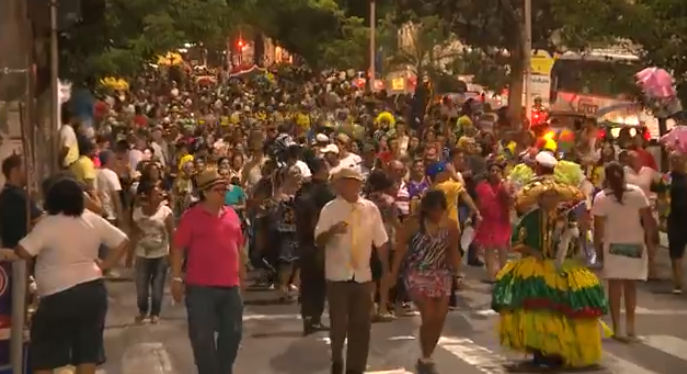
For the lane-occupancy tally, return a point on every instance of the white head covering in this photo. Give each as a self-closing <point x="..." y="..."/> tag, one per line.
<point x="546" y="159"/>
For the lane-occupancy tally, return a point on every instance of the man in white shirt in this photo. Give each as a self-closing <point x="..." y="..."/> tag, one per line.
<point x="346" y="230"/>
<point x="69" y="149"/>
<point x="109" y="187"/>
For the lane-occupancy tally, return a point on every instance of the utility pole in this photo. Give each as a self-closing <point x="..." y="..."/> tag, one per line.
<point x="527" y="50"/>
<point x="373" y="47"/>
<point x="54" y="87"/>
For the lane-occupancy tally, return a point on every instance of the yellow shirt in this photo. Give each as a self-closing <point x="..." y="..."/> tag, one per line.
<point x="452" y="190"/>
<point x="83" y="169"/>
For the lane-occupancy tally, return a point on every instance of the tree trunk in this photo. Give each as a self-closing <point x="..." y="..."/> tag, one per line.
<point x="516" y="88"/>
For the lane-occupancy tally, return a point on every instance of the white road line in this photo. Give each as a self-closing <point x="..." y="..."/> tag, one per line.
<point x="148" y="358"/>
<point x="481" y="358"/>
<point x="621" y="366"/>
<point x="660" y="312"/>
<point x="671" y="345"/>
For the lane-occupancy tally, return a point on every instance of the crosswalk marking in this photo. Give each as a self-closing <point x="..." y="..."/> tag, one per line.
<point x="622" y="366"/>
<point x="668" y="344"/>
<point x="481" y="358"/>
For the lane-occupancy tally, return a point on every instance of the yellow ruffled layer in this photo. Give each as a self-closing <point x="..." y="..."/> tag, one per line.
<point x="576" y="276"/>
<point x="576" y="341"/>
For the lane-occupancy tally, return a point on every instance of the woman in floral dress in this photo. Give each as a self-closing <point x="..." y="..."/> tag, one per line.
<point x="428" y="244"/>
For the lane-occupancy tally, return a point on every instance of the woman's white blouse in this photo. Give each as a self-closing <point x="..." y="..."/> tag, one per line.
<point x="66" y="249"/>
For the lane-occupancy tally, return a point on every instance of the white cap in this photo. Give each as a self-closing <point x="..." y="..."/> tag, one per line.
<point x="322" y="138"/>
<point x="330" y="148"/>
<point x="546" y="159"/>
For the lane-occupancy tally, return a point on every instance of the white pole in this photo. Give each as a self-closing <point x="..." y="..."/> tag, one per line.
<point x="373" y="47"/>
<point x="527" y="50"/>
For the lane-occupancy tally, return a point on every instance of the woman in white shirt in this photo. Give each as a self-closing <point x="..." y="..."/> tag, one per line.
<point x="621" y="216"/>
<point x="643" y="177"/>
<point x="153" y="226"/>
<point x="67" y="328"/>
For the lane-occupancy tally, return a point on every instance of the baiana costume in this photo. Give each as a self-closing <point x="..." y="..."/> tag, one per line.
<point x="549" y="303"/>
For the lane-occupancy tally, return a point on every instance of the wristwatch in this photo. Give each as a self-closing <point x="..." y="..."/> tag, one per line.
<point x="178" y="279"/>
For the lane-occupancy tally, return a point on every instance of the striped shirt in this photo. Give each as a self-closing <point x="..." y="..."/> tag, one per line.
<point x="403" y="199"/>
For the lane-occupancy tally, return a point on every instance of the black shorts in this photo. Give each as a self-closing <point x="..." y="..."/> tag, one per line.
<point x="67" y="328"/>
<point x="677" y="242"/>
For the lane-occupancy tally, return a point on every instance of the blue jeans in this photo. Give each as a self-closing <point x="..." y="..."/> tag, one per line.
<point x="213" y="310"/>
<point x="150" y="283"/>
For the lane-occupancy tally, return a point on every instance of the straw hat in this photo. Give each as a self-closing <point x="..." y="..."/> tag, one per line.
<point x="209" y="179"/>
<point x="348" y="173"/>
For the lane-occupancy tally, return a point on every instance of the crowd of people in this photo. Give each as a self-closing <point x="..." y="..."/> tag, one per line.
<point x="334" y="196"/>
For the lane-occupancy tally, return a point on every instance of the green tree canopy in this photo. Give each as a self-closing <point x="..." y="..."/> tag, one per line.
<point x="134" y="32"/>
<point x="494" y="30"/>
<point x="321" y="32"/>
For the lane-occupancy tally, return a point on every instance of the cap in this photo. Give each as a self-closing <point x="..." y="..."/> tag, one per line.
<point x="208" y="179"/>
<point x="348" y="173"/>
<point x="322" y="138"/>
<point x="343" y="137"/>
<point x="330" y="148"/>
<point x="546" y="159"/>
<point x="435" y="168"/>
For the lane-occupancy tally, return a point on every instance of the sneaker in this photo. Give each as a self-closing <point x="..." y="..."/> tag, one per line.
<point x="677" y="291"/>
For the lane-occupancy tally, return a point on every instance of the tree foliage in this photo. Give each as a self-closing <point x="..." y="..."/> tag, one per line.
<point x="494" y="30"/>
<point x="424" y="48"/>
<point x="133" y="32"/>
<point x="321" y="32"/>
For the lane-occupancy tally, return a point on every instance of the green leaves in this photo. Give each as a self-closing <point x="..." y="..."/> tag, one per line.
<point x="136" y="31"/>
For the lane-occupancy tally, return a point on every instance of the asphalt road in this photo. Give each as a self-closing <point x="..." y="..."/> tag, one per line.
<point x="273" y="344"/>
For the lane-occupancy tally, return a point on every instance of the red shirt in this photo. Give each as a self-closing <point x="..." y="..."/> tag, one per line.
<point x="646" y="158"/>
<point x="212" y="245"/>
<point x="141" y="121"/>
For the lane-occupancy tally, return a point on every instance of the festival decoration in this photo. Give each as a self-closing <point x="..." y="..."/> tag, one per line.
<point x="303" y="121"/>
<point x="568" y="173"/>
<point x="548" y="142"/>
<point x="116" y="84"/>
<point x="247" y="71"/>
<point x="170" y="59"/>
<point x="676" y="138"/>
<point x="520" y="176"/>
<point x="656" y="83"/>
<point x="386" y="117"/>
<point x="565" y="140"/>
<point x="206" y="80"/>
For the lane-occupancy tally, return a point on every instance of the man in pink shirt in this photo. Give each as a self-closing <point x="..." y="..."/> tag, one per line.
<point x="209" y="237"/>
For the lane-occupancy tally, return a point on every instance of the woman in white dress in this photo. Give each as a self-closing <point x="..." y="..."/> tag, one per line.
<point x="619" y="210"/>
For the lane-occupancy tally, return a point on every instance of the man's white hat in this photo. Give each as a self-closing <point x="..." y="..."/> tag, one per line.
<point x="330" y="148"/>
<point x="546" y="159"/>
<point x="322" y="138"/>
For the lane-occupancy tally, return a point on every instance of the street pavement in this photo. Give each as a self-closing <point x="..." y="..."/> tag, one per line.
<point x="273" y="344"/>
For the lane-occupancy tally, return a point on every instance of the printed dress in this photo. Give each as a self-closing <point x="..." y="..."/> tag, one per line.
<point x="429" y="272"/>
<point x="286" y="234"/>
